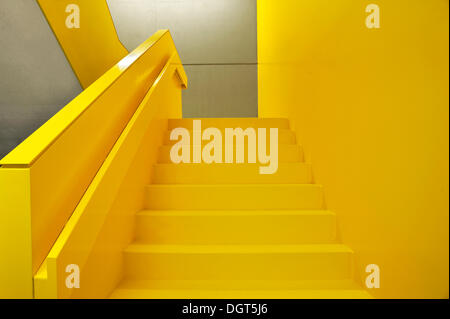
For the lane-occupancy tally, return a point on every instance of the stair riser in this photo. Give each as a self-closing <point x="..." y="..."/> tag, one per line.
<point x="267" y="266"/>
<point x="223" y="230"/>
<point x="230" y="123"/>
<point x="284" y="137"/>
<point x="286" y="154"/>
<point x="231" y="174"/>
<point x="222" y="197"/>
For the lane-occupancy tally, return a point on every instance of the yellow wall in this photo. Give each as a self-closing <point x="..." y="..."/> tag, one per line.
<point x="371" y="109"/>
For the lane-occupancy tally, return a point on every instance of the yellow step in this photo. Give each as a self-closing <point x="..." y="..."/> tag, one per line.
<point x="231" y="123"/>
<point x="242" y="289"/>
<point x="285" y="136"/>
<point x="288" y="173"/>
<point x="236" y="285"/>
<point x="286" y="153"/>
<point x="240" y="294"/>
<point x="232" y="197"/>
<point x="235" y="227"/>
<point x="238" y="262"/>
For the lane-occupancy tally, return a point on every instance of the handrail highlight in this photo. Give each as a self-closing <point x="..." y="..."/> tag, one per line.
<point x="31" y="148"/>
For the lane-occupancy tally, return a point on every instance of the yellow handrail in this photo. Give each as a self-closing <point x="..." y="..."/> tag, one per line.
<point x="45" y="177"/>
<point x="81" y="242"/>
<point x="29" y="150"/>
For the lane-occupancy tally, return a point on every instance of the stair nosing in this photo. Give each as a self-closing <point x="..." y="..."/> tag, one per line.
<point x="234" y="185"/>
<point x="142" y="248"/>
<point x="231" y="212"/>
<point x="231" y="164"/>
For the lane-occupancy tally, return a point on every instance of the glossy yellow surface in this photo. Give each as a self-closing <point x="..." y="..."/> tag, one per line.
<point x="15" y="234"/>
<point x="370" y="107"/>
<point x="64" y="155"/>
<point x="102" y="223"/>
<point x="94" y="47"/>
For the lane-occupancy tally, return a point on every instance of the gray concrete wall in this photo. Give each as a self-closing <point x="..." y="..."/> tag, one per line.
<point x="217" y="42"/>
<point x="36" y="80"/>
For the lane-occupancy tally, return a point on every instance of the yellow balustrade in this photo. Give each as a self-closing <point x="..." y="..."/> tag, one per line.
<point x="92" y="46"/>
<point x="46" y="177"/>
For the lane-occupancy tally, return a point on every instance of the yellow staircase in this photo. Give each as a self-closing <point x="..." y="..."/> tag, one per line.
<point x="225" y="231"/>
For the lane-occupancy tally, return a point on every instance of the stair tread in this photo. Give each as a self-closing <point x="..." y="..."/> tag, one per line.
<point x="261" y="284"/>
<point x="228" y="165"/>
<point x="287" y="153"/>
<point x="205" y="294"/>
<point x="238" y="289"/>
<point x="231" y="118"/>
<point x="128" y="292"/>
<point x="235" y="213"/>
<point x="231" y="122"/>
<point x="237" y="249"/>
<point x="285" y="136"/>
<point x="166" y="147"/>
<point x="233" y="185"/>
<point x="223" y="128"/>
